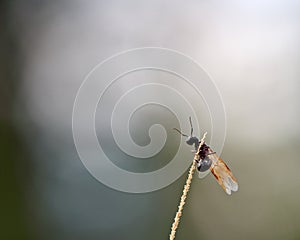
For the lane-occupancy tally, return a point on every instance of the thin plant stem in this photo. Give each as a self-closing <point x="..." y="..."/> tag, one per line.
<point x="186" y="190"/>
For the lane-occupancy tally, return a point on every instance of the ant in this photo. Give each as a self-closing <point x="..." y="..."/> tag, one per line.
<point x="205" y="162"/>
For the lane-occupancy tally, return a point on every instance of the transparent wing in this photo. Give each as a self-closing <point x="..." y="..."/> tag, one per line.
<point x="203" y="174"/>
<point x="223" y="174"/>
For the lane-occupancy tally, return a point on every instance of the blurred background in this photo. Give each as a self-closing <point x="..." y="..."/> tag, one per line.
<point x="251" y="50"/>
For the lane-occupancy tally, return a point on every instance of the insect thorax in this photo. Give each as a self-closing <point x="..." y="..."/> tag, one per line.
<point x="204" y="151"/>
<point x="205" y="162"/>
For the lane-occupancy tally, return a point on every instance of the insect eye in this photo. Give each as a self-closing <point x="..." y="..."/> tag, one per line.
<point x="204" y="165"/>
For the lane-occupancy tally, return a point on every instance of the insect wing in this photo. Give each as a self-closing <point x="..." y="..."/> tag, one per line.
<point x="203" y="174"/>
<point x="223" y="174"/>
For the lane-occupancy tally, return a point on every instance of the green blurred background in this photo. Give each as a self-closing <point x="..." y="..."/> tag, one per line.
<point x="250" y="48"/>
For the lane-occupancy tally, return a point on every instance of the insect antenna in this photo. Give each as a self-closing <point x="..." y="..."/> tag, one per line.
<point x="192" y="129"/>
<point x="180" y="132"/>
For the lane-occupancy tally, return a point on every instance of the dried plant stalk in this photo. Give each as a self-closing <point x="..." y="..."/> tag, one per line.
<point x="185" y="190"/>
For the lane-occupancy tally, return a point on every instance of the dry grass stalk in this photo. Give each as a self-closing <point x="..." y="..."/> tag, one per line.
<point x="185" y="191"/>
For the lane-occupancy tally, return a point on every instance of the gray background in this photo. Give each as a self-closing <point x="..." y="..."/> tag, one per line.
<point x="250" y="48"/>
